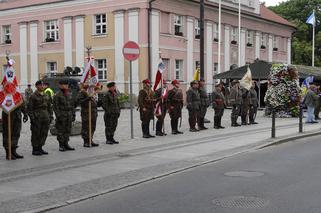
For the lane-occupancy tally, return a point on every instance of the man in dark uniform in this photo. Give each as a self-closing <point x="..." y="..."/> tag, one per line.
<point x="146" y="103"/>
<point x="175" y="105"/>
<point x="245" y="106"/>
<point x="204" y="104"/>
<point x="40" y="113"/>
<point x="193" y="101"/>
<point x="83" y="99"/>
<point x="64" y="108"/>
<point x="218" y="105"/>
<point x="253" y="104"/>
<point x="110" y="104"/>
<point x="16" y="125"/>
<point x="235" y="100"/>
<point x="161" y="108"/>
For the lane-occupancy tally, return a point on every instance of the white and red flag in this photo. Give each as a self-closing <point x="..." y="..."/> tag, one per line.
<point x="10" y="96"/>
<point x="159" y="75"/>
<point x="90" y="75"/>
<point x="158" y="108"/>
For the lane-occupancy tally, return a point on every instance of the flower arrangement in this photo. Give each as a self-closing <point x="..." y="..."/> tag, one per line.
<point x="284" y="93"/>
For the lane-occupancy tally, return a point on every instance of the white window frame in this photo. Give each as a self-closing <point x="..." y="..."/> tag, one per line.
<point x="48" y="65"/>
<point x="179" y="69"/>
<point x="101" y="24"/>
<point x="250" y="38"/>
<point x="234" y="34"/>
<point x="101" y="70"/>
<point x="197" y="28"/>
<point x="53" y="33"/>
<point x="179" y="22"/>
<point x="263" y="40"/>
<point x="6" y="35"/>
<point x="215" y="32"/>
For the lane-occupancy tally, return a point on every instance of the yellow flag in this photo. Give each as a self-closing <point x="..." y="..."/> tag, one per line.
<point x="197" y="74"/>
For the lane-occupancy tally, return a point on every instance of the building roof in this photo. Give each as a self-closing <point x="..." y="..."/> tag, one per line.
<point x="268" y="14"/>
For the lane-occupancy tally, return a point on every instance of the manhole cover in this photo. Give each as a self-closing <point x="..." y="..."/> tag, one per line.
<point x="123" y="155"/>
<point x="241" y="202"/>
<point x="244" y="174"/>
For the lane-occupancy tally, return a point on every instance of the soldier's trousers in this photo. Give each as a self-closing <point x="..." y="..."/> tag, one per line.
<point x="235" y="113"/>
<point x="15" y="128"/>
<point x="111" y="121"/>
<point x="160" y="122"/>
<point x="193" y="118"/>
<point x="252" y="113"/>
<point x="85" y="125"/>
<point x="39" y="132"/>
<point x="202" y="116"/>
<point x="63" y="126"/>
<point x="218" y="117"/>
<point x="244" y="113"/>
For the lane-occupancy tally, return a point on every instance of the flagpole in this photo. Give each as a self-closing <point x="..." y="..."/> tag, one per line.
<point x="9" y="137"/>
<point x="219" y="36"/>
<point x="89" y="104"/>
<point x="239" y="47"/>
<point x="313" y="40"/>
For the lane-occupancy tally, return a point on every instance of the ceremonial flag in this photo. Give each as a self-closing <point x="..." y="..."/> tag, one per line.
<point x="90" y="71"/>
<point x="246" y="81"/>
<point x="159" y="74"/>
<point x="158" y="110"/>
<point x="311" y="19"/>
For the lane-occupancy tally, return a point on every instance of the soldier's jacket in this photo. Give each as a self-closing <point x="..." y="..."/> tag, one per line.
<point x="218" y="100"/>
<point x="246" y="97"/>
<point x="175" y="101"/>
<point x="63" y="105"/>
<point x="204" y="97"/>
<point x="39" y="106"/>
<point x="235" y="96"/>
<point x="110" y="103"/>
<point x="83" y="100"/>
<point x="254" y="99"/>
<point x="146" y="99"/>
<point x="193" y="99"/>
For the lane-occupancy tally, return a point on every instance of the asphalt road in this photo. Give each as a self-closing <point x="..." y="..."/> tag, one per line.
<point x="284" y="179"/>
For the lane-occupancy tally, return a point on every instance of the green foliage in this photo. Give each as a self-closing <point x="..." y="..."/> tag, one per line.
<point x="123" y="98"/>
<point x="297" y="12"/>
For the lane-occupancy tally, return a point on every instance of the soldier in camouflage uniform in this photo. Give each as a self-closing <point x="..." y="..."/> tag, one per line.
<point x="64" y="108"/>
<point x="193" y="101"/>
<point x="175" y="105"/>
<point x="160" y="115"/>
<point x="218" y="105"/>
<point x="40" y="113"/>
<point x="235" y="100"/>
<point x="83" y="100"/>
<point x="16" y="124"/>
<point x="204" y="104"/>
<point x="110" y="104"/>
<point x="254" y="103"/>
<point x="146" y="103"/>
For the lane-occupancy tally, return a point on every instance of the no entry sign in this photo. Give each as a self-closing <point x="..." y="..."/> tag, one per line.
<point x="131" y="51"/>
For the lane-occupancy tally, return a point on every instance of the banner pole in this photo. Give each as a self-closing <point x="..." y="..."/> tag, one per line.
<point x="89" y="118"/>
<point x="9" y="137"/>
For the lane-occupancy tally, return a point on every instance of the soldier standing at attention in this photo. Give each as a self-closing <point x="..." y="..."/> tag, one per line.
<point x="253" y="104"/>
<point x="16" y="124"/>
<point x="110" y="104"/>
<point x="146" y="107"/>
<point x="218" y="105"/>
<point x="40" y="113"/>
<point x="175" y="105"/>
<point x="204" y="104"/>
<point x="245" y="106"/>
<point x="64" y="108"/>
<point x="235" y="100"/>
<point x="161" y="113"/>
<point x="28" y="92"/>
<point x="193" y="101"/>
<point x="83" y="99"/>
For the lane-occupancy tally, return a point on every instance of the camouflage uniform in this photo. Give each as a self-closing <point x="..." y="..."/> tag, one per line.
<point x="175" y="105"/>
<point x="16" y="124"/>
<point x="253" y="105"/>
<point x="245" y="107"/>
<point x="110" y="104"/>
<point x="146" y="108"/>
<point x="235" y="100"/>
<point x="64" y="108"/>
<point x="40" y="113"/>
<point x="193" y="101"/>
<point x="218" y="106"/>
<point x="163" y="110"/>
<point x="83" y="100"/>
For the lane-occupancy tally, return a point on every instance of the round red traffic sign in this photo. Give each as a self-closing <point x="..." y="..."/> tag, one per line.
<point x="131" y="51"/>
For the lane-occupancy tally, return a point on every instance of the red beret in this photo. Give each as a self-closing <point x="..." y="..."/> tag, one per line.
<point x="146" y="81"/>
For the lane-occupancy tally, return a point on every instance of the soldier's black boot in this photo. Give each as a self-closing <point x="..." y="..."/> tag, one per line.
<point x="36" y="151"/>
<point x="220" y="123"/>
<point x="86" y="143"/>
<point x="174" y="131"/>
<point x="7" y="155"/>
<point x="109" y="140"/>
<point x="61" y="147"/>
<point x="14" y="152"/>
<point x="43" y="151"/>
<point x="145" y="133"/>
<point x="114" y="141"/>
<point x="159" y="128"/>
<point x="216" y="126"/>
<point x="68" y="148"/>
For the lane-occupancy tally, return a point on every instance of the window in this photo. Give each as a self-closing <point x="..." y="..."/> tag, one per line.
<point x="234" y="35"/>
<point x="249" y="38"/>
<point x="178" y="25"/>
<point x="100" y="24"/>
<point x="101" y="66"/>
<point x="6" y="31"/>
<point x="263" y="41"/>
<point x="215" y="32"/>
<point x="51" y="30"/>
<point x="179" y="69"/>
<point x="275" y="43"/>
<point x="197" y="29"/>
<point x="52" y="67"/>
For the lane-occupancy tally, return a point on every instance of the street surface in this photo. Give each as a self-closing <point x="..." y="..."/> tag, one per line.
<point x="279" y="179"/>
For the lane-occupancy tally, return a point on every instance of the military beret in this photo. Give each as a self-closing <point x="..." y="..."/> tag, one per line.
<point x="64" y="81"/>
<point x="111" y="84"/>
<point x="39" y="82"/>
<point x="146" y="81"/>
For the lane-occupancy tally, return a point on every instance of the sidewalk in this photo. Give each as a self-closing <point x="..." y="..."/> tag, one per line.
<point x="62" y="178"/>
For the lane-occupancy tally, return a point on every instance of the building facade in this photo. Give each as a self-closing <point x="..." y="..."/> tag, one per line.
<point x="45" y="36"/>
